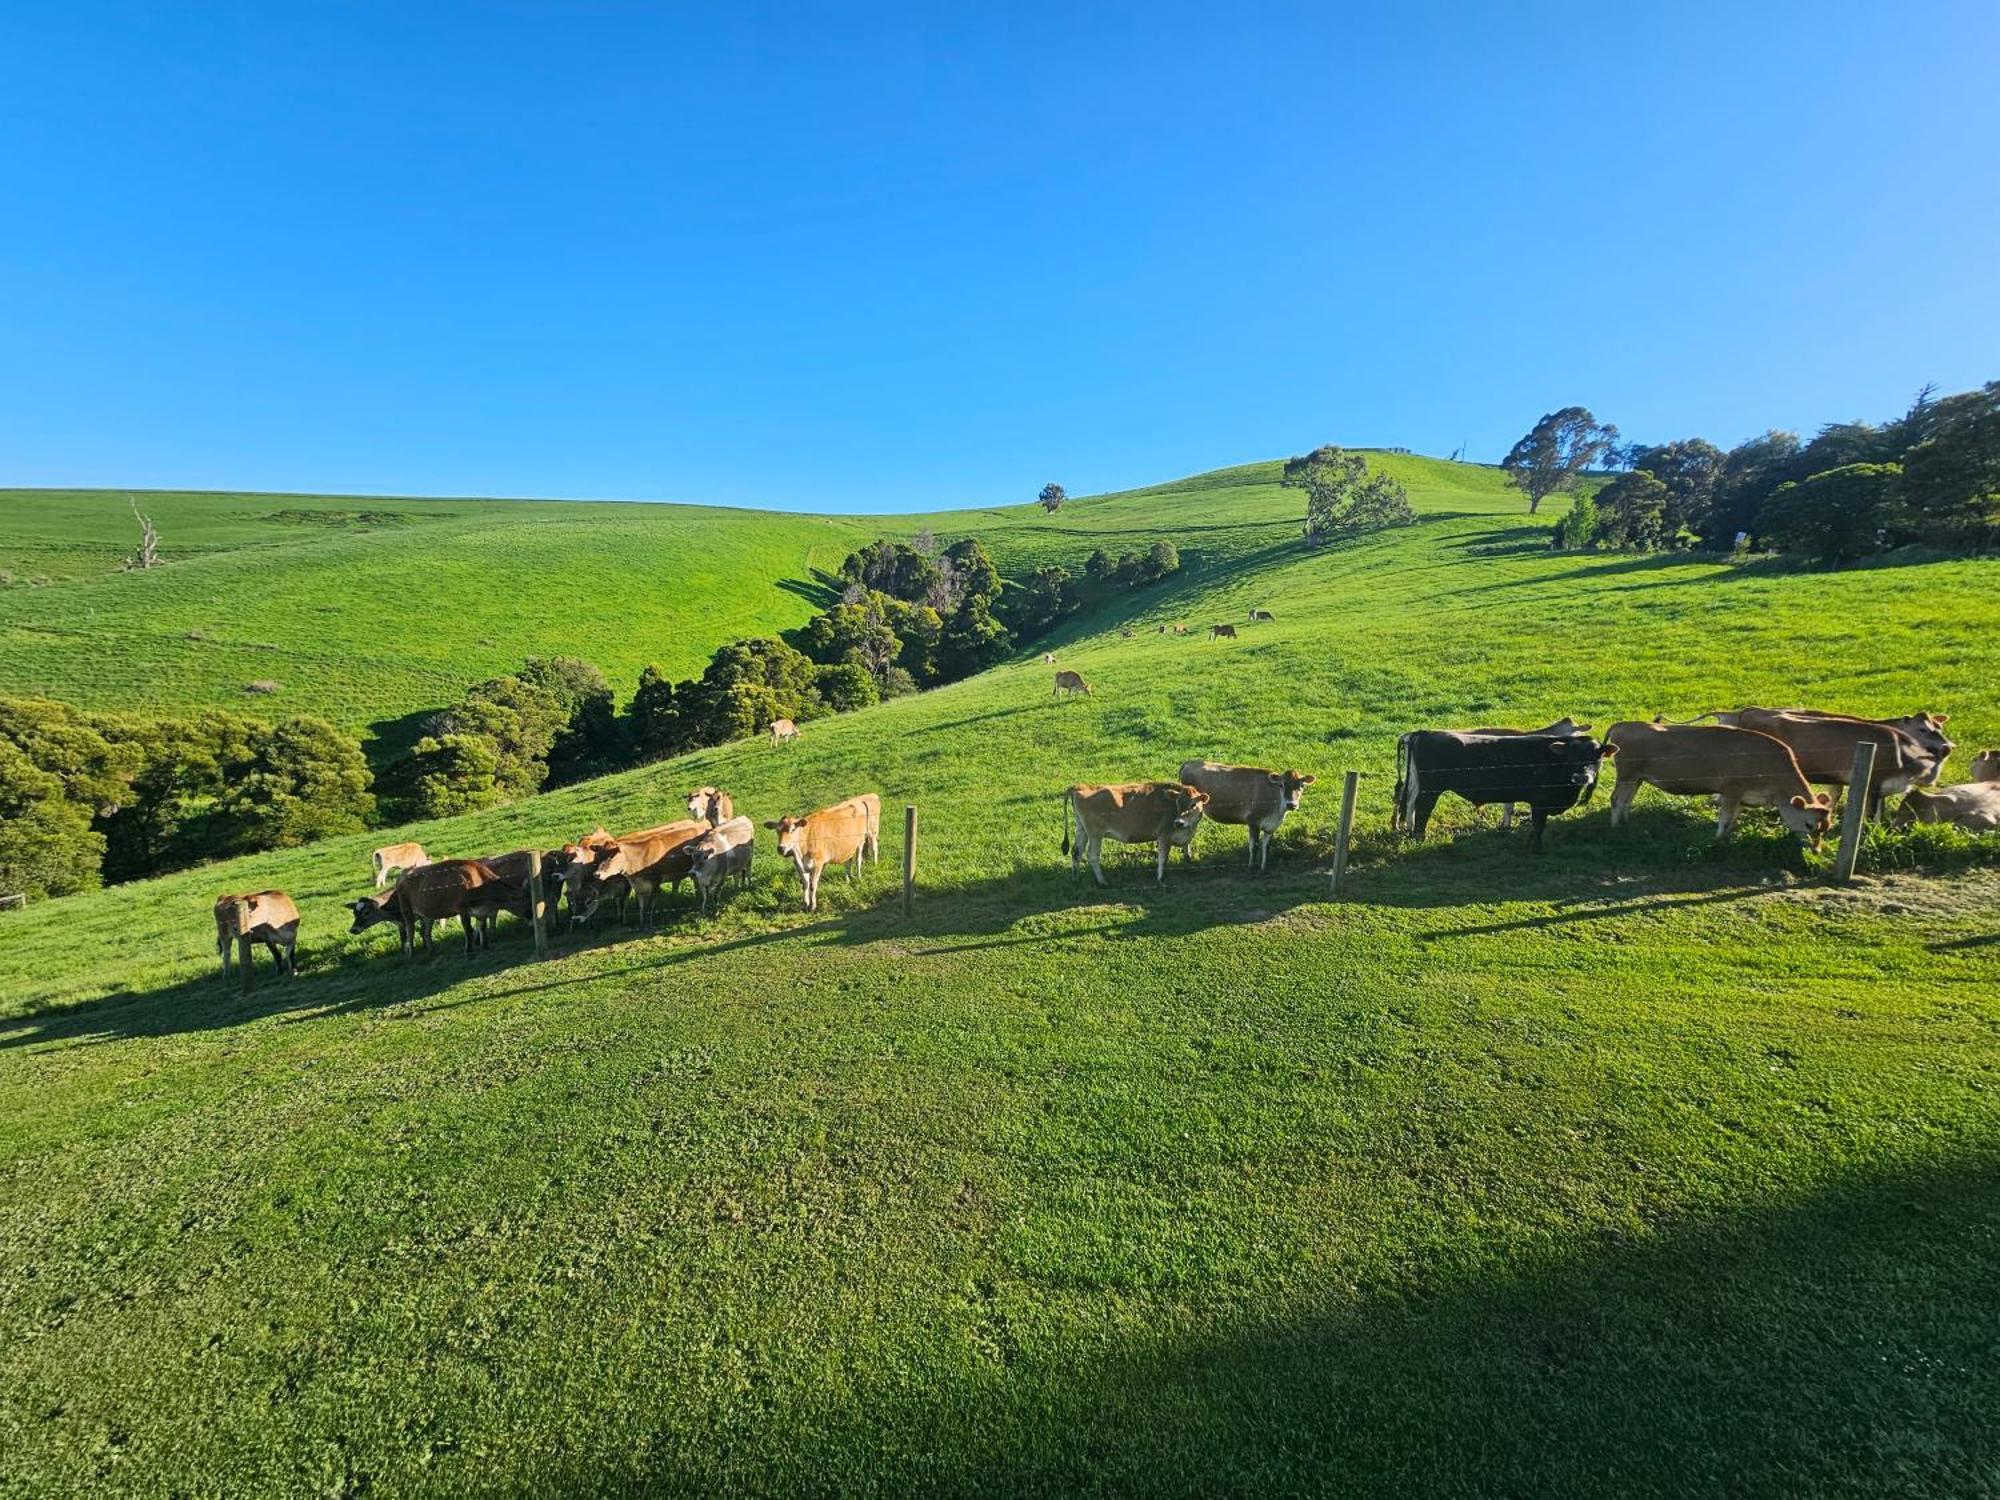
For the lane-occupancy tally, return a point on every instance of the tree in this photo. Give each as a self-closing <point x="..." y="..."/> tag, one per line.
<point x="1342" y="497"/>
<point x="1836" y="515"/>
<point x="1689" y="470"/>
<point x="590" y="741"/>
<point x="973" y="641"/>
<point x="1632" y="511"/>
<point x="1098" y="565"/>
<point x="1034" y="605"/>
<point x="521" y="720"/>
<point x="455" y="773"/>
<point x="1556" y="452"/>
<point x="1579" y="528"/>
<point x="47" y="846"/>
<point x="148" y="555"/>
<point x="975" y="568"/>
<point x="1751" y="471"/>
<point x="1951" y="480"/>
<point x="1052" y="497"/>
<point x="846" y="686"/>
<point x="1162" y="558"/>
<point x="304" y="780"/>
<point x="168" y="816"/>
<point x="656" y="723"/>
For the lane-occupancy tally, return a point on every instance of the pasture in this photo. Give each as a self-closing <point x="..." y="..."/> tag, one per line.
<point x="1642" y="1167"/>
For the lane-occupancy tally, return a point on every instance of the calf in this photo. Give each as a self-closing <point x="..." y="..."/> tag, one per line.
<point x="467" y="889"/>
<point x="397" y="858"/>
<point x="1161" y="813"/>
<point x="837" y="835"/>
<point x="1262" y="614"/>
<point x="782" y="730"/>
<point x="1735" y="766"/>
<point x="1070" y="682"/>
<point x="1255" y="797"/>
<point x="724" y="851"/>
<point x="267" y="917"/>
<point x="1824" y="745"/>
<point x="1048" y="658"/>
<point x="1550" y="773"/>
<point x="1986" y="766"/>
<point x="1222" y="632"/>
<point x="1973" y="805"/>
<point x="710" y="805"/>
<point x="644" y="862"/>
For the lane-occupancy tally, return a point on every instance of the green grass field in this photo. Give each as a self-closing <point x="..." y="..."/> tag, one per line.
<point x="1641" y="1167"/>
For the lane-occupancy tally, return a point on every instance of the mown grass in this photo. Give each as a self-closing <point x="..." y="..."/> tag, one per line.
<point x="1641" y="1167"/>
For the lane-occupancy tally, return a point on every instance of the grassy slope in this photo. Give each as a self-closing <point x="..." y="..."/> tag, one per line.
<point x="363" y="622"/>
<point x="1636" y="1162"/>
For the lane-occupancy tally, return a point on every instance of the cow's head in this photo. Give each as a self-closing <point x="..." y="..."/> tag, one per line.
<point x="1186" y="804"/>
<point x="1294" y="784"/>
<point x="788" y="829"/>
<point x="1916" y="808"/>
<point x="372" y="909"/>
<point x="1808" y="819"/>
<point x="704" y="803"/>
<point x="1986" y="766"/>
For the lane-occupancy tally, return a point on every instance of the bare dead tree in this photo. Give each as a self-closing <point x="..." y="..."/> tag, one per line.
<point x="148" y="555"/>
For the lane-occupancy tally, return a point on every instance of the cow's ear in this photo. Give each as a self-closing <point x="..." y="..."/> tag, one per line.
<point x="769" y="824"/>
<point x="1308" y="780"/>
<point x="1798" y="802"/>
<point x="1606" y="752"/>
<point x="1277" y="776"/>
<point x="1940" y="718"/>
<point x="1820" y="799"/>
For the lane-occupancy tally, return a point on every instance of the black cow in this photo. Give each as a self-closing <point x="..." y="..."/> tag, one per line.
<point x="1551" y="773"/>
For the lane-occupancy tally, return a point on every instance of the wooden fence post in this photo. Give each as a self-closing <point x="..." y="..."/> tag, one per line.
<point x="1855" y="816"/>
<point x="243" y="947"/>
<point x="1340" y="836"/>
<point x="909" y="856"/>
<point x="535" y="908"/>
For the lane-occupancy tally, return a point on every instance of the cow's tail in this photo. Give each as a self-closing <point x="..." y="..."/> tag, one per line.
<point x="1069" y="806"/>
<point x="1713" y="713"/>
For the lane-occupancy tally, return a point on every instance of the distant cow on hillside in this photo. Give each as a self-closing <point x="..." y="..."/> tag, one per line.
<point x="1070" y="682"/>
<point x="1262" y="614"/>
<point x="393" y="859"/>
<point x="1222" y="632"/>
<point x="782" y="730"/>
<point x="267" y="917"/>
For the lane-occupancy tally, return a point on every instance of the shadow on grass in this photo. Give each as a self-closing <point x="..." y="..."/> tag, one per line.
<point x="822" y="591"/>
<point x="1838" y="1344"/>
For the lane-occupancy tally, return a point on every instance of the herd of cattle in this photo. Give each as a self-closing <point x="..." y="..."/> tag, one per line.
<point x="1776" y="758"/>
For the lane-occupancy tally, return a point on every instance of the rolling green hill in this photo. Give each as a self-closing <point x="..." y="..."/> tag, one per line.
<point x="1641" y="1166"/>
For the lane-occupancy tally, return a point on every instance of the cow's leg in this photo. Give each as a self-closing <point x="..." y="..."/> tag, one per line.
<point x="1096" y="848"/>
<point x="1726" y="809"/>
<point x="292" y="956"/>
<point x="1621" y="799"/>
<point x="1538" y="819"/>
<point x="1420" y="813"/>
<point x="1164" y="846"/>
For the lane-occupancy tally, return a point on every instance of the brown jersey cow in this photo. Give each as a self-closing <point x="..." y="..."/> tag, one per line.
<point x="1972" y="805"/>
<point x="1824" y="745"/>
<point x="465" y="889"/>
<point x="1161" y="813"/>
<point x="1071" y="682"/>
<point x="267" y="917"/>
<point x="396" y="858"/>
<point x="836" y="835"/>
<point x="1253" y="796"/>
<point x="1735" y="766"/>
<point x="711" y="805"/>
<point x="645" y="862"/>
<point x="1986" y="766"/>
<point x="782" y="730"/>
<point x="724" y="851"/>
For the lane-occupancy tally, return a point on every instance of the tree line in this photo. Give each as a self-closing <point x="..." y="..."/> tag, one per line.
<point x="87" y="798"/>
<point x="1929" y="478"/>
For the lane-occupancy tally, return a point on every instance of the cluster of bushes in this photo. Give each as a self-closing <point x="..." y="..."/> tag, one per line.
<point x="1344" y="497"/>
<point x="88" y="797"/>
<point x="1930" y="477"/>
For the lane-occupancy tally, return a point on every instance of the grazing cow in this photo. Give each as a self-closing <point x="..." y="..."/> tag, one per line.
<point x="1161" y="813"/>
<point x="1048" y="658"/>
<point x="1735" y="766"/>
<point x="837" y="835"/>
<point x="1973" y="805"/>
<point x="1070" y="682"/>
<point x="710" y="805"/>
<point x="1986" y="766"/>
<point x="516" y="870"/>
<point x="1824" y="745"/>
<point x="723" y="851"/>
<point x="1222" y="632"/>
<point x="1180" y="627"/>
<point x="1262" y="614"/>
<point x="1163" y="630"/>
<point x="463" y="888"/>
<point x="396" y="858"/>
<point x="267" y="917"/>
<point x="1550" y="773"/>
<point x="782" y="730"/>
<point x="1250" y="795"/>
<point x="1126" y="632"/>
<point x="644" y="861"/>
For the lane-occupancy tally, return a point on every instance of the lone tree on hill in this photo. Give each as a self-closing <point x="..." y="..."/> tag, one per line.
<point x="148" y="555"/>
<point x="1052" y="497"/>
<point x="1561" y="446"/>
<point x="1342" y="497"/>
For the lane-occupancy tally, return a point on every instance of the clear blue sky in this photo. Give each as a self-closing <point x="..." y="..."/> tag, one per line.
<point x="884" y="256"/>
